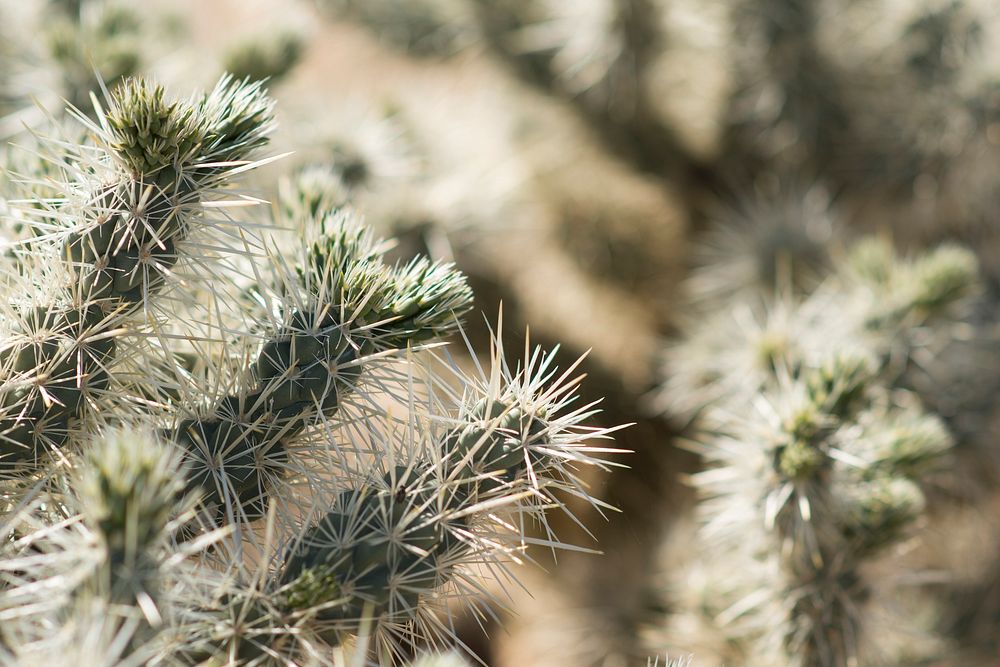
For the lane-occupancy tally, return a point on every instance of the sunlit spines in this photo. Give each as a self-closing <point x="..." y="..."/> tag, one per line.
<point x="374" y="555"/>
<point x="55" y="363"/>
<point x="269" y="383"/>
<point x="338" y="308"/>
<point x="455" y="485"/>
<point x="392" y="306"/>
<point x="526" y="428"/>
<point x="109" y="245"/>
<point x="130" y="488"/>
<point x="175" y="152"/>
<point x="149" y="133"/>
<point x="797" y="484"/>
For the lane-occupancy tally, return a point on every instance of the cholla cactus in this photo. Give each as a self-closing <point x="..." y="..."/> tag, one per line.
<point x="268" y="57"/>
<point x="130" y="202"/>
<point x="97" y="554"/>
<point x="405" y="529"/>
<point x="74" y="48"/>
<point x="129" y="489"/>
<point x="782" y="238"/>
<point x="816" y="451"/>
<point x="421" y="27"/>
<point x="217" y="446"/>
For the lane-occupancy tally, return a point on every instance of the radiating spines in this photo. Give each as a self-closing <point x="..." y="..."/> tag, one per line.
<point x="493" y="449"/>
<point x="807" y="452"/>
<point x="127" y="248"/>
<point x="307" y="364"/>
<point x="238" y="117"/>
<point x="777" y="240"/>
<point x="391" y="306"/>
<point x="194" y="140"/>
<point x="149" y="133"/>
<point x="56" y="362"/>
<point x="237" y="436"/>
<point x="235" y="457"/>
<point x="130" y="488"/>
<point x="142" y="187"/>
<point x="364" y="569"/>
<point x="264" y="407"/>
<point x="790" y="435"/>
<point x="524" y="433"/>
<point x="477" y="461"/>
<point x="342" y="244"/>
<point x="333" y="313"/>
<point x="372" y="557"/>
<point x="427" y="300"/>
<point x="108" y="246"/>
<point x="508" y="445"/>
<point x="310" y="359"/>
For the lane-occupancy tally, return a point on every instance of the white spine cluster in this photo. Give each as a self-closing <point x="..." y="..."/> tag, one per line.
<point x="256" y="470"/>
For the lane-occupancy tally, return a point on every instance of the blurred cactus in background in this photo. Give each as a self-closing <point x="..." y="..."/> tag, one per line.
<point x="818" y="453"/>
<point x="267" y="57"/>
<point x="73" y="49"/>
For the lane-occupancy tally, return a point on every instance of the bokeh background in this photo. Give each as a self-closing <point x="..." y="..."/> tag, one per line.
<point x="580" y="160"/>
